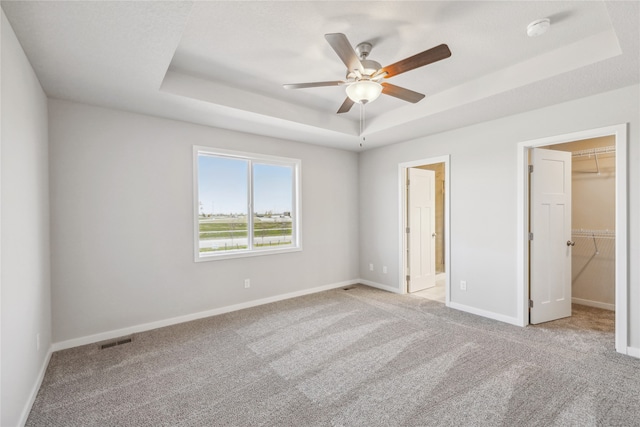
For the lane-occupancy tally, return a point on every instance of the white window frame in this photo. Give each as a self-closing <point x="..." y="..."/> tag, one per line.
<point x="252" y="158"/>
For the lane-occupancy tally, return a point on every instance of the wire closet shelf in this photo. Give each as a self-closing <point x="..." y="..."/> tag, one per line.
<point x="583" y="232"/>
<point x="594" y="151"/>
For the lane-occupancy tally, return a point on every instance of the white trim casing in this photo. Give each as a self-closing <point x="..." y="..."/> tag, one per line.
<point x="621" y="254"/>
<point x="596" y="304"/>
<point x="36" y="387"/>
<point x="251" y="158"/>
<point x="91" y="339"/>
<point x="381" y="286"/>
<point x="484" y="313"/>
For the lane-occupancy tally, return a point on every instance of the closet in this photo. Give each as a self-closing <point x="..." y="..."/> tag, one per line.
<point x="593" y="221"/>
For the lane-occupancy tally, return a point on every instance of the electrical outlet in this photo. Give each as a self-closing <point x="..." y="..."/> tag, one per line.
<point x="370" y="267"/>
<point x="384" y="269"/>
<point x="463" y="285"/>
<point x="247" y="283"/>
<point x="37" y="342"/>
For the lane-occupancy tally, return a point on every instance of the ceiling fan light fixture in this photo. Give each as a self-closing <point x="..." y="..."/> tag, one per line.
<point x="364" y="91"/>
<point x="363" y="75"/>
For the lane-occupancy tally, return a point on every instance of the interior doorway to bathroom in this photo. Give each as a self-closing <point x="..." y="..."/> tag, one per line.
<point x="424" y="215"/>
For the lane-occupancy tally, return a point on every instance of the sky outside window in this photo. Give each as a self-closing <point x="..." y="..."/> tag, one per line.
<point x="272" y="188"/>
<point x="223" y="186"/>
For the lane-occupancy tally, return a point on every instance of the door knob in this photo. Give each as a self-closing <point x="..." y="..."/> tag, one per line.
<point x="434" y="235"/>
<point x="570" y="243"/>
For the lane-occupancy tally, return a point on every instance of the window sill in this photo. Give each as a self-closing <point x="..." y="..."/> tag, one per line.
<point x="231" y="255"/>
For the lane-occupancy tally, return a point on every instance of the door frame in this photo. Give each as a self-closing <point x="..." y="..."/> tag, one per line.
<point x="619" y="132"/>
<point x="402" y="201"/>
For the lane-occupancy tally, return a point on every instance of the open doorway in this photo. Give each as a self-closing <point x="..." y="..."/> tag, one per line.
<point x="590" y="237"/>
<point x="596" y="241"/>
<point x="593" y="219"/>
<point x="424" y="213"/>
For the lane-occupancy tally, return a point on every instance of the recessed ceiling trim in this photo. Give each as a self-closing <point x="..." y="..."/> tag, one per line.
<point x="249" y="103"/>
<point x="590" y="50"/>
<point x="116" y="54"/>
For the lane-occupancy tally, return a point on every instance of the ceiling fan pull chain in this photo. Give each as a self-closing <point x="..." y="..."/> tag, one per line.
<point x="362" y="124"/>
<point x="361" y="119"/>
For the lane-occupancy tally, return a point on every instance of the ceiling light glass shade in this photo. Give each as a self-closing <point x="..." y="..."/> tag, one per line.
<point x="364" y="91"/>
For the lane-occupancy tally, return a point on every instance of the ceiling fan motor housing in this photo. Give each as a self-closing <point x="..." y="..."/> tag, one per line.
<point x="363" y="50"/>
<point x="370" y="66"/>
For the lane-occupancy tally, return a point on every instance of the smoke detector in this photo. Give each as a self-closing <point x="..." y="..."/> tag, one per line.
<point x="538" y="27"/>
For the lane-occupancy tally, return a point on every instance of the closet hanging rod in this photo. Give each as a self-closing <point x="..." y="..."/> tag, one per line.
<point x="593" y="151"/>
<point x="593" y="233"/>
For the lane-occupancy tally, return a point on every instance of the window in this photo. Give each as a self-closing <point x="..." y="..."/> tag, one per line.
<point x="246" y="204"/>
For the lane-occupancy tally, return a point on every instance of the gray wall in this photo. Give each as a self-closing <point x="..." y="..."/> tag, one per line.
<point x="122" y="222"/>
<point x="483" y="198"/>
<point x="24" y="227"/>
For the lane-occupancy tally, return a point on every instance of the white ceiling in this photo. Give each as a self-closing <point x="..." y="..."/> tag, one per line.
<point x="223" y="63"/>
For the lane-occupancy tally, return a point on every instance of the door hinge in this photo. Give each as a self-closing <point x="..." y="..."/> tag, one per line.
<point x="408" y="278"/>
<point x="530" y="236"/>
<point x="530" y="303"/>
<point x="530" y="168"/>
<point x="407" y="231"/>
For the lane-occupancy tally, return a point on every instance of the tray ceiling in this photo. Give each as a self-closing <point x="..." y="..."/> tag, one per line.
<point x="223" y="63"/>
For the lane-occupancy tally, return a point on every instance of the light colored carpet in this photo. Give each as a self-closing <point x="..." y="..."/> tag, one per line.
<point x="358" y="357"/>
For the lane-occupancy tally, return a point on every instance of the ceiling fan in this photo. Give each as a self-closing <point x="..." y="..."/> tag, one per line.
<point x="364" y="75"/>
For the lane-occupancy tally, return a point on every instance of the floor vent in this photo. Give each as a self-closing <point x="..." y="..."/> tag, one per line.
<point x="114" y="343"/>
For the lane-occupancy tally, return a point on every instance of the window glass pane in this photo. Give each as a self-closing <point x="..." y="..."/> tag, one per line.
<point x="273" y="205"/>
<point x="245" y="204"/>
<point x="223" y="203"/>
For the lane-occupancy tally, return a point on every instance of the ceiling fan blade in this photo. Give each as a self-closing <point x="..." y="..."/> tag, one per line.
<point x="401" y="93"/>
<point x="346" y="106"/>
<point x="424" y="58"/>
<point x="343" y="48"/>
<point x="313" y="84"/>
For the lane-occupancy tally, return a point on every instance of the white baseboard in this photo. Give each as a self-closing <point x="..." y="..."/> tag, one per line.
<point x="484" y="313"/>
<point x="380" y="286"/>
<point x="633" y="352"/>
<point x="596" y="304"/>
<point x="34" y="390"/>
<point x="461" y="307"/>
<point x="90" y="339"/>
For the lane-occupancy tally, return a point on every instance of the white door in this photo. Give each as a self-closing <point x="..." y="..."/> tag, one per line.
<point x="550" y="263"/>
<point x="421" y="214"/>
